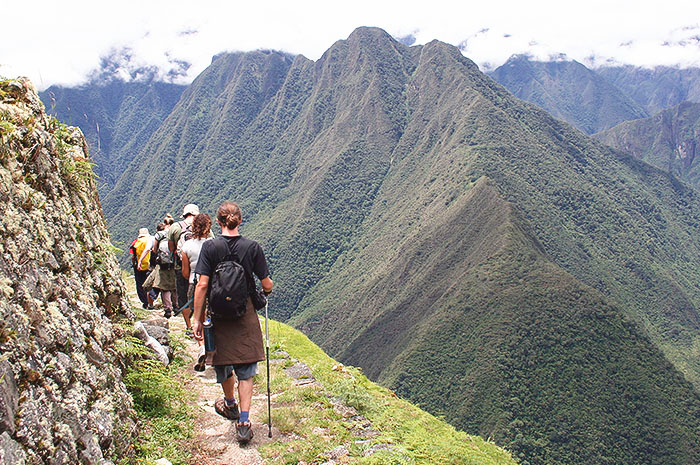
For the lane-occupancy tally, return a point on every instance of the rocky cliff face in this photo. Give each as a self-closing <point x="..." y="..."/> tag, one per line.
<point x="62" y="399"/>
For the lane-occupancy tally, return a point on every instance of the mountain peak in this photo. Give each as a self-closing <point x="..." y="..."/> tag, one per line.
<point x="369" y="33"/>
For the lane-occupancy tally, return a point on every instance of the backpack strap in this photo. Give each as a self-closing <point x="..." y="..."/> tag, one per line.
<point x="232" y="254"/>
<point x="184" y="226"/>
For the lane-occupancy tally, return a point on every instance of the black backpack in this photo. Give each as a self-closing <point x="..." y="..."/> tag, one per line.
<point x="164" y="257"/>
<point x="228" y="287"/>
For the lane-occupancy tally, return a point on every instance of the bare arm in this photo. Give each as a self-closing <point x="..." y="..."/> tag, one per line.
<point x="200" y="298"/>
<point x="185" y="266"/>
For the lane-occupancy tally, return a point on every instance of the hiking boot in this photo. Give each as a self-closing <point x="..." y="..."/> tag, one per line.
<point x="244" y="432"/>
<point x="201" y="360"/>
<point x="225" y="411"/>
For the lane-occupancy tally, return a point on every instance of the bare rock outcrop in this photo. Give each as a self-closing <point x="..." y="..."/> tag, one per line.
<point x="62" y="399"/>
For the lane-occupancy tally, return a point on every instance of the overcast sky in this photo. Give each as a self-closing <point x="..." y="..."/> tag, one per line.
<point x="61" y="42"/>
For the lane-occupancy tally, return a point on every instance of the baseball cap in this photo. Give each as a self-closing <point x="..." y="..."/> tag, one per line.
<point x="190" y="209"/>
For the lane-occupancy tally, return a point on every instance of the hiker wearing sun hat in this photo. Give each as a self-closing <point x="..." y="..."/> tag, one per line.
<point x="140" y="260"/>
<point x="177" y="234"/>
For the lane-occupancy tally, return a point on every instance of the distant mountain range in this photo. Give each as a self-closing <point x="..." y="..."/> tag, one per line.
<point x="569" y="91"/>
<point x="670" y="140"/>
<point x="116" y="117"/>
<point x="655" y="89"/>
<point x="463" y="247"/>
<point x="595" y="100"/>
<point x="617" y="103"/>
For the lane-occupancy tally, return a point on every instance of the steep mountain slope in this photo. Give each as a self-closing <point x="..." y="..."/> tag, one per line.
<point x="669" y="140"/>
<point x="116" y="117"/>
<point x="569" y="91"/>
<point x="542" y="363"/>
<point x="197" y="151"/>
<point x="364" y="175"/>
<point x="655" y="89"/>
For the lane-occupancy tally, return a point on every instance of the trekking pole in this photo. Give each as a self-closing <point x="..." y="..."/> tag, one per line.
<point x="179" y="310"/>
<point x="267" y="349"/>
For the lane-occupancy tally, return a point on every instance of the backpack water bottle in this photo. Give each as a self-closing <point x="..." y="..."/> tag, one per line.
<point x="209" y="341"/>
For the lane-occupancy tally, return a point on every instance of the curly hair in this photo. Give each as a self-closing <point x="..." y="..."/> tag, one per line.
<point x="229" y="215"/>
<point x="201" y="225"/>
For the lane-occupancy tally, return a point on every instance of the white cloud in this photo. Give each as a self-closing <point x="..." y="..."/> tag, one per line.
<point x="62" y="42"/>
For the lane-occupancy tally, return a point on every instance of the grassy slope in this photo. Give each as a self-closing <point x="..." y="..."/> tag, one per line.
<point x="416" y="436"/>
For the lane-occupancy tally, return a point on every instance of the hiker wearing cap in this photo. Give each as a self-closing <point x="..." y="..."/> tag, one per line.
<point x="140" y="260"/>
<point x="175" y="233"/>
<point x="239" y="343"/>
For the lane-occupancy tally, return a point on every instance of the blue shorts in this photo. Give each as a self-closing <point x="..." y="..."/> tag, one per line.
<point x="243" y="371"/>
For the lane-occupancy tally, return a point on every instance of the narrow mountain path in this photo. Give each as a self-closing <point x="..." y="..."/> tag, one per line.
<point x="311" y="424"/>
<point x="215" y="436"/>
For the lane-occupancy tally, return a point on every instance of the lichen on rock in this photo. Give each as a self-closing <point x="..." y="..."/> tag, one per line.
<point x="62" y="396"/>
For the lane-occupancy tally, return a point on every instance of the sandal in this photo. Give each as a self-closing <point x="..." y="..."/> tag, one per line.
<point x="201" y="360"/>
<point x="225" y="411"/>
<point x="244" y="432"/>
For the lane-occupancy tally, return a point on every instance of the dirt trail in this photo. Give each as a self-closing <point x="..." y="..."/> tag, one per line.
<point x="215" y="436"/>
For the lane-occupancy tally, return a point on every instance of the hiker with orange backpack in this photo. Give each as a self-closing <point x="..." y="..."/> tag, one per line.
<point x="140" y="255"/>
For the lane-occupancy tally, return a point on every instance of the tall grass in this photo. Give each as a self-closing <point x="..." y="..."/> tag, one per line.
<point x="162" y="405"/>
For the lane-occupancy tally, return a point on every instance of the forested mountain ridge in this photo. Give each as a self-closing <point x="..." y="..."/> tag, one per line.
<point x="199" y="136"/>
<point x="538" y="358"/>
<point x="367" y="176"/>
<point x="116" y="117"/>
<point x="569" y="91"/>
<point x="597" y="99"/>
<point x="669" y="140"/>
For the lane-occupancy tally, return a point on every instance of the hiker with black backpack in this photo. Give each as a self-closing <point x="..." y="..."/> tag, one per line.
<point x="225" y="268"/>
<point x="164" y="274"/>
